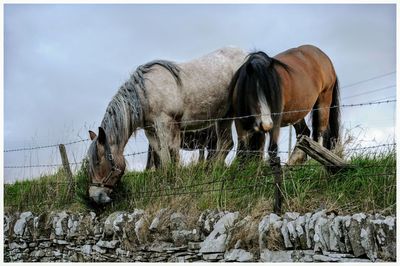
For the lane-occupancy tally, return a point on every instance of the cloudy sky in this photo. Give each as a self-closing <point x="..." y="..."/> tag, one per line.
<point x="63" y="63"/>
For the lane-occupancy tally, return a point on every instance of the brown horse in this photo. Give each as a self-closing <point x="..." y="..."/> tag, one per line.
<point x="270" y="93"/>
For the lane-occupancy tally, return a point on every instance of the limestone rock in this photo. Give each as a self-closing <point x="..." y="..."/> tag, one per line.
<point x="194" y="245"/>
<point x="60" y="224"/>
<point x="385" y="235"/>
<point x="267" y="255"/>
<point x="269" y="230"/>
<point x="86" y="249"/>
<point x="158" y="220"/>
<point x="213" y="257"/>
<point x="321" y="233"/>
<point x="178" y="221"/>
<point x="182" y="237"/>
<point x="354" y="231"/>
<point x="21" y="223"/>
<point x="300" y="232"/>
<point x="6" y="224"/>
<point x="141" y="229"/>
<point x="208" y="219"/>
<point x="311" y="225"/>
<point x="108" y="244"/>
<point x="239" y="255"/>
<point x="112" y="224"/>
<point x="216" y="240"/>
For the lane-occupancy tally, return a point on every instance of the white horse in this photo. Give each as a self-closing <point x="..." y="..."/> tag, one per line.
<point x="163" y="98"/>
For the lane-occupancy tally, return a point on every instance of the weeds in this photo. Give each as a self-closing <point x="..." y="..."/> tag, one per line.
<point x="369" y="187"/>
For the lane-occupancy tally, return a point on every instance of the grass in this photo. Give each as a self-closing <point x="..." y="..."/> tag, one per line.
<point x="369" y="187"/>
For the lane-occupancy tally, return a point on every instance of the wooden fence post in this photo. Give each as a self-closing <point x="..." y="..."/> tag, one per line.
<point x="331" y="161"/>
<point x="67" y="169"/>
<point x="277" y="171"/>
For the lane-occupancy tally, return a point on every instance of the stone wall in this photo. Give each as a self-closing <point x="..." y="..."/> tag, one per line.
<point x="214" y="236"/>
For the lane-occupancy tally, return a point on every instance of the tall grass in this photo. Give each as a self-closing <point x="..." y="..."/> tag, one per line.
<point x="370" y="186"/>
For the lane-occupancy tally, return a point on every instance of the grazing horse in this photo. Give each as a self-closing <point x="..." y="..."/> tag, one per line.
<point x="191" y="140"/>
<point x="270" y="93"/>
<point x="163" y="98"/>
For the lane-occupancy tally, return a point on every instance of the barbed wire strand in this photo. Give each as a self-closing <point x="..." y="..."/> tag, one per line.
<point x="369" y="79"/>
<point x="214" y="150"/>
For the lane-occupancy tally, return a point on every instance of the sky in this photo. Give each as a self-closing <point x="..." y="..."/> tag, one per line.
<point x="63" y="64"/>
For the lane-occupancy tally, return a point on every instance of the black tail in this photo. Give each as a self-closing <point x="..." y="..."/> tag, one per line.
<point x="257" y="76"/>
<point x="331" y="135"/>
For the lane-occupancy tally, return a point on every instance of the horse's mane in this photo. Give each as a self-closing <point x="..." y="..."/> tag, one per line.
<point x="257" y="77"/>
<point x="124" y="113"/>
<point x="172" y="67"/>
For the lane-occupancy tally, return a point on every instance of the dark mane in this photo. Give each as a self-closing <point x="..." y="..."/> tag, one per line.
<point x="257" y="76"/>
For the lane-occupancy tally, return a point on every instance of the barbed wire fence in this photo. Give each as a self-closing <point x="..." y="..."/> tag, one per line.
<point x="204" y="120"/>
<point x="182" y="190"/>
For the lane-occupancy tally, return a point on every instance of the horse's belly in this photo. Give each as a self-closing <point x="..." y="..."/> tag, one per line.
<point x="202" y="117"/>
<point x="205" y="108"/>
<point x="293" y="118"/>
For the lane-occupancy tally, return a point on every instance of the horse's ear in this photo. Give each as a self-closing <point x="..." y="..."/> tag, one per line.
<point x="101" y="139"/>
<point x="92" y="135"/>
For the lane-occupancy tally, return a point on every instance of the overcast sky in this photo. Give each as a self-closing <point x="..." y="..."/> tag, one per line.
<point x="63" y="63"/>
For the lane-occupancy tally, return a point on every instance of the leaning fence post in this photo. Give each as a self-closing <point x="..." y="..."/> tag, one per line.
<point x="67" y="168"/>
<point x="277" y="171"/>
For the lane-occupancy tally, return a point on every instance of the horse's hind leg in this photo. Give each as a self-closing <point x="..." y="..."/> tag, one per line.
<point x="150" y="158"/>
<point x="320" y="116"/>
<point x="211" y="146"/>
<point x="224" y="136"/>
<point x="201" y="155"/>
<point x="298" y="156"/>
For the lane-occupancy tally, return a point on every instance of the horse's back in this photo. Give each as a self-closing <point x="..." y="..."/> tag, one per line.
<point x="203" y="92"/>
<point x="309" y="59"/>
<point x="210" y="71"/>
<point x="310" y="73"/>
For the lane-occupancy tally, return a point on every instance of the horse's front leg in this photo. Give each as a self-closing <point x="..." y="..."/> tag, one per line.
<point x="273" y="146"/>
<point x="168" y="133"/>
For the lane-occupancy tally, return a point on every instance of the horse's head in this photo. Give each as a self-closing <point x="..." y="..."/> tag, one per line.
<point x="106" y="167"/>
<point x="263" y="116"/>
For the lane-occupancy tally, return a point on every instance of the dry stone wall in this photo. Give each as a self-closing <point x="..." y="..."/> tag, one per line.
<point x="216" y="236"/>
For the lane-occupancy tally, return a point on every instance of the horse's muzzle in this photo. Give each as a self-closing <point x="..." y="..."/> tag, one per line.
<point x="264" y="127"/>
<point x="100" y="195"/>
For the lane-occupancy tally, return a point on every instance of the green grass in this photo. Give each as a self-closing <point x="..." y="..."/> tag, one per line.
<point x="370" y="187"/>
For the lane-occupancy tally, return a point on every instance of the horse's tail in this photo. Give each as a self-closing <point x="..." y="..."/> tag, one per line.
<point x="332" y="134"/>
<point x="257" y="77"/>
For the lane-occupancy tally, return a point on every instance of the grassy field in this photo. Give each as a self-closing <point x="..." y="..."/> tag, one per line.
<point x="370" y="187"/>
